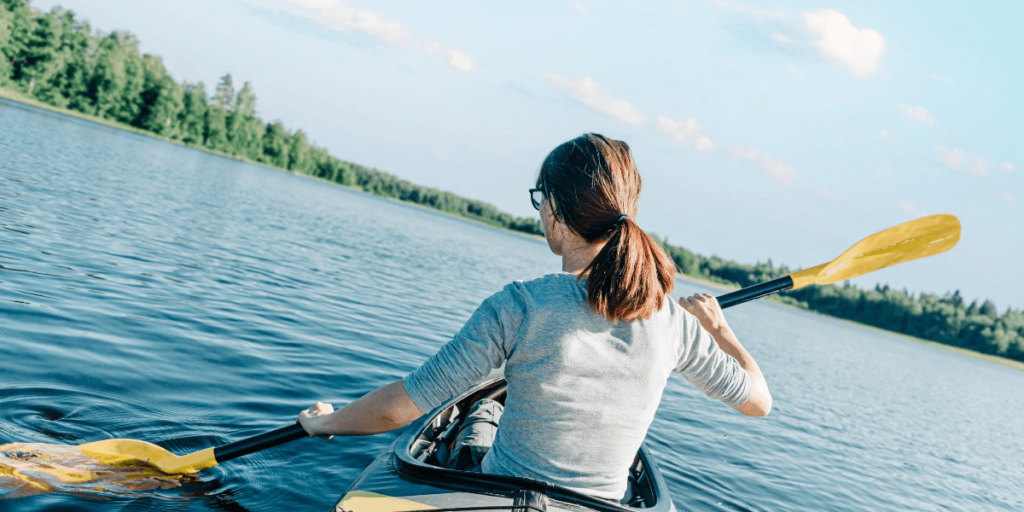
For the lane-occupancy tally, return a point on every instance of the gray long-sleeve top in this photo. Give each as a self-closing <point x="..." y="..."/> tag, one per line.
<point x="582" y="391"/>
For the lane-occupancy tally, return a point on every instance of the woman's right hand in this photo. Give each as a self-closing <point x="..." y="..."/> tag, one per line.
<point x="312" y="419"/>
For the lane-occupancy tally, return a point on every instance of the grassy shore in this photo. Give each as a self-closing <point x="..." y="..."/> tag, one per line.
<point x="20" y="98"/>
<point x="16" y="96"/>
<point x="707" y="282"/>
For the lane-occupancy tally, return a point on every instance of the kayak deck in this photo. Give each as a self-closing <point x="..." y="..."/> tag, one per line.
<point x="408" y="476"/>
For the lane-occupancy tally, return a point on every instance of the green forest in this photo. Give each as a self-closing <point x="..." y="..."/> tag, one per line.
<point x="57" y="58"/>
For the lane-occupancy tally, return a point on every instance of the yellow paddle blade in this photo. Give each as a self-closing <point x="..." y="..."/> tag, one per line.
<point x="151" y="454"/>
<point x="912" y="240"/>
<point x="34" y="468"/>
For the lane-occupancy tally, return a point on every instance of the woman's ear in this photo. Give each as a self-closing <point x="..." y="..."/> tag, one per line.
<point x="551" y="226"/>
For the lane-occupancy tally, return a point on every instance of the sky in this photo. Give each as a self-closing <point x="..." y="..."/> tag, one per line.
<point x="782" y="130"/>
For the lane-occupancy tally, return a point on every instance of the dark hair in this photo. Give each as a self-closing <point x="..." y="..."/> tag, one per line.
<point x="593" y="185"/>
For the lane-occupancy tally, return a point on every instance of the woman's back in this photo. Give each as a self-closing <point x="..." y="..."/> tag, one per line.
<point x="582" y="391"/>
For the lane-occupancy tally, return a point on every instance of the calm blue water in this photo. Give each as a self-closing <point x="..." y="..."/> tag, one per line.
<point x="154" y="292"/>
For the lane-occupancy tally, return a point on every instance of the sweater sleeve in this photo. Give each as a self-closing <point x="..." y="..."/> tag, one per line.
<point x="482" y="345"/>
<point x="709" y="368"/>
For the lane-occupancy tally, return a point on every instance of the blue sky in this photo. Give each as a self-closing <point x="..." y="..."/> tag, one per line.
<point x="782" y="130"/>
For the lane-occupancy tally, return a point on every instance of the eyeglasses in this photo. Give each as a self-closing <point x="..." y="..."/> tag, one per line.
<point x="536" y="196"/>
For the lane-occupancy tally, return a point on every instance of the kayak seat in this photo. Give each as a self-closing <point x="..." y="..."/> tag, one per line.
<point x="639" y="488"/>
<point x="476" y="436"/>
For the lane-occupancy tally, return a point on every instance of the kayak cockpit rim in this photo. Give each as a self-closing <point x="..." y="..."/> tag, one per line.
<point x="417" y="447"/>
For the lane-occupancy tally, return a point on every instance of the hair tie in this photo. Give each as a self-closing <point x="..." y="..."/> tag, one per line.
<point x="620" y="219"/>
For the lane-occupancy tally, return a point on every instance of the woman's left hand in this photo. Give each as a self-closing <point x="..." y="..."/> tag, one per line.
<point x="312" y="419"/>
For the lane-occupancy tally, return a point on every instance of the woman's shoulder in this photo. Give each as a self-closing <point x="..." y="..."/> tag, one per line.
<point x="558" y="281"/>
<point x="554" y="280"/>
<point x="556" y="287"/>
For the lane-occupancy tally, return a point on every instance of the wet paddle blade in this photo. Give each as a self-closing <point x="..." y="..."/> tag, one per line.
<point x="910" y="241"/>
<point x="33" y="468"/>
<point x="151" y="454"/>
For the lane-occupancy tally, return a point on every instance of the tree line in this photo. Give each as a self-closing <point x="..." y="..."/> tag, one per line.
<point x="56" y="58"/>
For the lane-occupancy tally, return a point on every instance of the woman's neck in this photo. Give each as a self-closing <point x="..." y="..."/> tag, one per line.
<point x="577" y="254"/>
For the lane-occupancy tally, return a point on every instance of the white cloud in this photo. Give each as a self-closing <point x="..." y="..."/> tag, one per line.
<point x="957" y="159"/>
<point x="336" y="16"/>
<point x="781" y="38"/>
<point x="685" y="129"/>
<point x="918" y="113"/>
<point x="1006" y="197"/>
<point x="942" y="78"/>
<point x="1007" y="167"/>
<point x="679" y="130"/>
<point x="460" y="61"/>
<point x="977" y="167"/>
<point x="431" y="46"/>
<point x="833" y="98"/>
<point x="793" y="70"/>
<point x="859" y="49"/>
<point x="912" y="210"/>
<point x="703" y="143"/>
<point x="591" y="94"/>
<point x="580" y="7"/>
<point x="889" y="138"/>
<point x="830" y="32"/>
<point x="782" y="174"/>
<point x="953" y="159"/>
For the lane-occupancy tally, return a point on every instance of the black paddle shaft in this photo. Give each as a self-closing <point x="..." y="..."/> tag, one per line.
<point x="260" y="442"/>
<point x="755" y="292"/>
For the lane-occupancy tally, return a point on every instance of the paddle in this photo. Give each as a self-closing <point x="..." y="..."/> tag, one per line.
<point x="132" y="450"/>
<point x="913" y="240"/>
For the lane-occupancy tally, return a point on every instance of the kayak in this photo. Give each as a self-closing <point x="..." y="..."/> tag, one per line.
<point x="408" y="475"/>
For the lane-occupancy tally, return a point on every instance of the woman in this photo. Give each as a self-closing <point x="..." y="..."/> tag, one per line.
<point x="587" y="351"/>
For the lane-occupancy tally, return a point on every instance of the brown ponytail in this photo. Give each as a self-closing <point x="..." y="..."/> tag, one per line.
<point x="594" y="186"/>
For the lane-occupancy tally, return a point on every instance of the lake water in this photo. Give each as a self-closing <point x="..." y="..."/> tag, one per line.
<point x="154" y="292"/>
